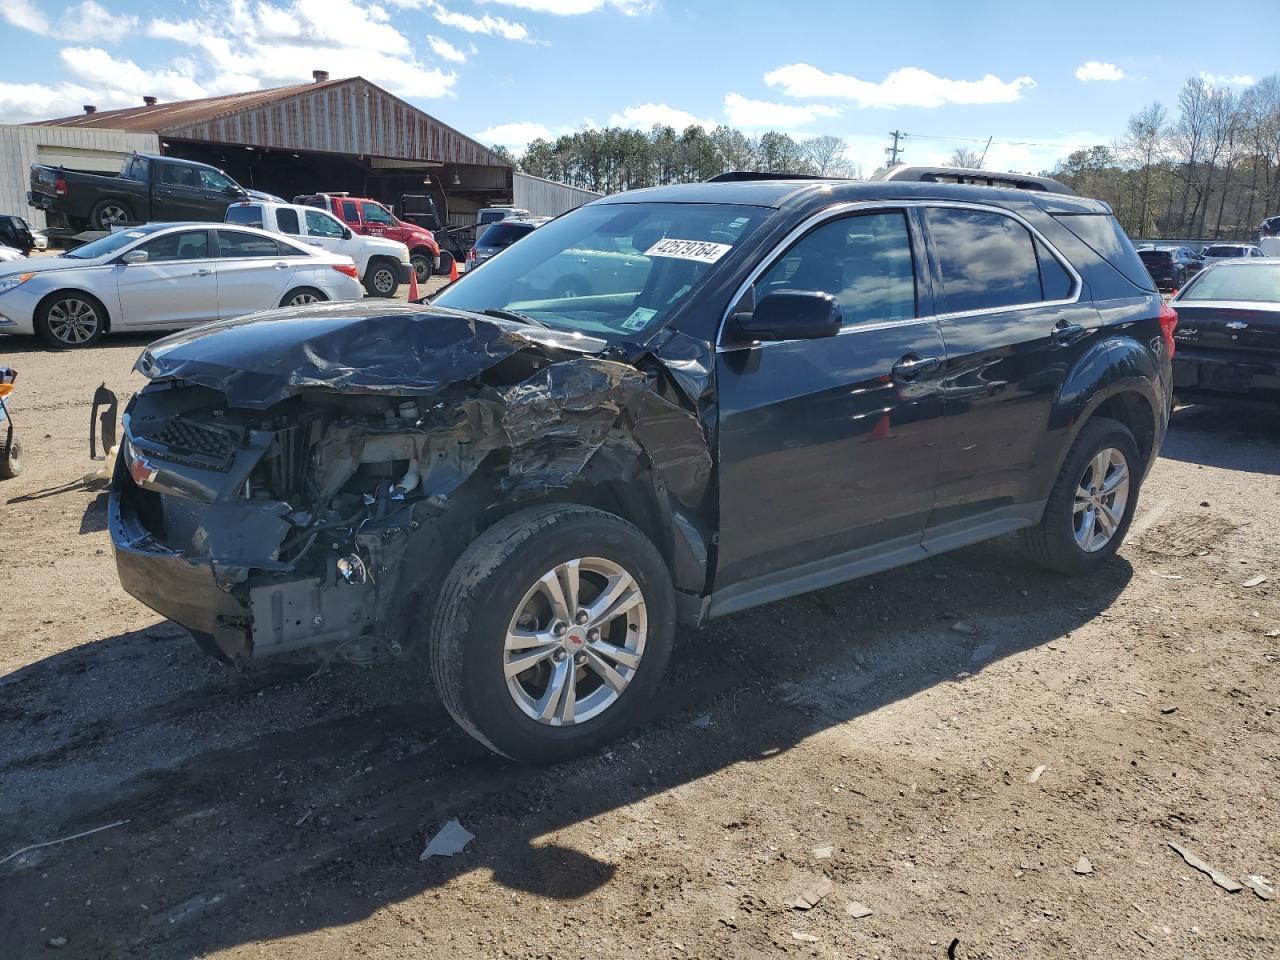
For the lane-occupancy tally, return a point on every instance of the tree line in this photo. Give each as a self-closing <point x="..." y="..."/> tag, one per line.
<point x="1209" y="167"/>
<point x="615" y="158"/>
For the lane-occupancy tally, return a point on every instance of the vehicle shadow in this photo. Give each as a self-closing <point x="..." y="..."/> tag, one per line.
<point x="11" y="345"/>
<point x="282" y="799"/>
<point x="1234" y="436"/>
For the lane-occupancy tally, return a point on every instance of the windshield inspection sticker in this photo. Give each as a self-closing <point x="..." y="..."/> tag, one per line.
<point x="639" y="319"/>
<point x="703" y="251"/>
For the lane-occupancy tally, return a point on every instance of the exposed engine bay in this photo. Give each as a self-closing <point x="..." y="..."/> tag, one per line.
<point x="308" y="480"/>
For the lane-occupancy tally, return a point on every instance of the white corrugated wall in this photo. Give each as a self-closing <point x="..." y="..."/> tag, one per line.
<point x="78" y="148"/>
<point x="546" y="198"/>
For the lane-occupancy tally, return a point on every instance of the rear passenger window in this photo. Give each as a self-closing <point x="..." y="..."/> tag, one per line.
<point x="234" y="244"/>
<point x="349" y="213"/>
<point x="1055" y="282"/>
<point x="863" y="261"/>
<point x="287" y="221"/>
<point x="987" y="260"/>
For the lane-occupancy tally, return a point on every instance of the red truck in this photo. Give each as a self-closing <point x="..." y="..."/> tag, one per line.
<point x="373" y="219"/>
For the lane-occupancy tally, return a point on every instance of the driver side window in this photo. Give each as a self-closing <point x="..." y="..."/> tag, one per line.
<point x="864" y="261"/>
<point x="320" y="225"/>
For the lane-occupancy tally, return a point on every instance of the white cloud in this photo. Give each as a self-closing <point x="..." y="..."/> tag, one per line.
<point x="646" y="115"/>
<point x="758" y="114"/>
<point x="100" y="71"/>
<point x="1235" y="80"/>
<point x="445" y="50"/>
<point x="1096" y="70"/>
<point x="514" y="134"/>
<point x="86" y="21"/>
<point x="904" y="87"/>
<point x="493" y="26"/>
<point x="569" y="8"/>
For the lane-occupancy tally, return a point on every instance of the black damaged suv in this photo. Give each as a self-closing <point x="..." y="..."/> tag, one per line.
<point x="759" y="387"/>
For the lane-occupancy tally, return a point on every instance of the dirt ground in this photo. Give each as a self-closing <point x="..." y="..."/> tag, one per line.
<point x="872" y="744"/>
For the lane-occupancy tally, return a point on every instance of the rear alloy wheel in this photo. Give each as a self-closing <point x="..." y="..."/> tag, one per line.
<point x="70" y="320"/>
<point x="110" y="213"/>
<point x="302" y="296"/>
<point x="1092" y="502"/>
<point x="552" y="632"/>
<point x="381" y="280"/>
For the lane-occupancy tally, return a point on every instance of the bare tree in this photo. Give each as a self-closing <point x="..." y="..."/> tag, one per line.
<point x="963" y="157"/>
<point x="1144" y="148"/>
<point x="827" y="156"/>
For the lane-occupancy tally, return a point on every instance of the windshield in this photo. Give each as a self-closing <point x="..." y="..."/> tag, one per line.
<point x="1232" y="281"/>
<point x="502" y="234"/>
<point x="108" y="244"/>
<point x="616" y="269"/>
<point x="1221" y="250"/>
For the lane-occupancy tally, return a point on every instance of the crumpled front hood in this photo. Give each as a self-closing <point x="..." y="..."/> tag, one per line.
<point x="372" y="348"/>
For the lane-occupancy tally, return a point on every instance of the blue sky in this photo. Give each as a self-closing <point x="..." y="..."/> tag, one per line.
<point x="1041" y="79"/>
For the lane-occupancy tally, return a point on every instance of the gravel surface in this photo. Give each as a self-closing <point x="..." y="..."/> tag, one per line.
<point x="851" y="773"/>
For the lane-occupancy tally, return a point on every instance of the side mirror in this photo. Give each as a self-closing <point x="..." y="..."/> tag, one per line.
<point x="136" y="256"/>
<point x="791" y="315"/>
<point x="232" y="190"/>
<point x="346" y="233"/>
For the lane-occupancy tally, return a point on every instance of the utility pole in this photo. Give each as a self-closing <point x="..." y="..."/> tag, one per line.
<point x="983" y="158"/>
<point x="893" y="152"/>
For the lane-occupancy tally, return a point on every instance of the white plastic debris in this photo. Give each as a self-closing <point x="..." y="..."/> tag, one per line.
<point x="1037" y="773"/>
<point x="452" y="839"/>
<point x="1217" y="876"/>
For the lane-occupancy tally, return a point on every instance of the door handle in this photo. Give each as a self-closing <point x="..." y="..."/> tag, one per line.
<point x="202" y="272"/>
<point x="1064" y="332"/>
<point x="912" y="367"/>
<point x="282" y="266"/>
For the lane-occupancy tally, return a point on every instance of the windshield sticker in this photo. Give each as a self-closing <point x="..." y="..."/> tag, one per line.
<point x="701" y="251"/>
<point x="639" y="319"/>
<point x="135" y="234"/>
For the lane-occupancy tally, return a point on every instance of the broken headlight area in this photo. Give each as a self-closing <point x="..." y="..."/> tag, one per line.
<point x="323" y="519"/>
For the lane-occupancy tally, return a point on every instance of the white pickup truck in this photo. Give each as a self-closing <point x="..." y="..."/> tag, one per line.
<point x="383" y="264"/>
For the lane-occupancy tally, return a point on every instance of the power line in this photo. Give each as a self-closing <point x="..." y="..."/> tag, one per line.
<point x="1016" y="143"/>
<point x="893" y="152"/>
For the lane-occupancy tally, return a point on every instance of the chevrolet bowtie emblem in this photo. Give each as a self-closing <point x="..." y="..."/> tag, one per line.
<point x="1236" y="325"/>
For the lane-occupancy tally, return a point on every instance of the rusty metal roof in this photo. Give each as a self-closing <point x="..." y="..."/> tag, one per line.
<point x="334" y="116"/>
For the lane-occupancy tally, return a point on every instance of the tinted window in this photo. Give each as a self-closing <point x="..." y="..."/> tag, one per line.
<point x="349" y="212"/>
<point x="1155" y="257"/>
<point x="1055" y="282"/>
<point x="175" y="175"/>
<point x="322" y="225"/>
<point x="287" y="221"/>
<point x="234" y="244"/>
<point x="491" y="216"/>
<point x="188" y="245"/>
<point x="1223" y="250"/>
<point x="986" y="260"/>
<point x="864" y="262"/>
<point x="1231" y="281"/>
<point x="502" y="234"/>
<point x="1102" y="234"/>
<point x="248" y="214"/>
<point x="376" y="214"/>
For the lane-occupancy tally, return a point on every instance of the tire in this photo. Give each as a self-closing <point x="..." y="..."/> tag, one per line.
<point x="421" y="262"/>
<point x="70" y="319"/>
<point x="301" y="296"/>
<point x="109" y="212"/>
<point x="494" y="580"/>
<point x="10" y="459"/>
<point x="1055" y="543"/>
<point x="380" y="279"/>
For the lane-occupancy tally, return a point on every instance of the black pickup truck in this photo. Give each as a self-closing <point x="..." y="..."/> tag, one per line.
<point x="148" y="188"/>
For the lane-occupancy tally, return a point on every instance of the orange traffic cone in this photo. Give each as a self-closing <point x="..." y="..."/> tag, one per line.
<point x="413" y="284"/>
<point x="453" y="269"/>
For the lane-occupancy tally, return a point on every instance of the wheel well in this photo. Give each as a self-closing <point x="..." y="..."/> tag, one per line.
<point x="379" y="258"/>
<point x="294" y="291"/>
<point x="83" y="294"/>
<point x="423" y="250"/>
<point x="1134" y="411"/>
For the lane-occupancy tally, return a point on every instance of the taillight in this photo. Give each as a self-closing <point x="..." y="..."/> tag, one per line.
<point x="60" y="186"/>
<point x="471" y="254"/>
<point x="1168" y="324"/>
<point x="348" y="268"/>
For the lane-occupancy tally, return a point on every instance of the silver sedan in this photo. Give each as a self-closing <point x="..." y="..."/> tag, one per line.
<point x="165" y="275"/>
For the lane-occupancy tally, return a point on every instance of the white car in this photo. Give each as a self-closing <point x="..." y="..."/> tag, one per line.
<point x="165" y="275"/>
<point x="8" y="254"/>
<point x="39" y="241"/>
<point x="383" y="264"/>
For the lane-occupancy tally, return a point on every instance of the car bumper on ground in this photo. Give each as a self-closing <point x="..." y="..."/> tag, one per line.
<point x="1226" y="374"/>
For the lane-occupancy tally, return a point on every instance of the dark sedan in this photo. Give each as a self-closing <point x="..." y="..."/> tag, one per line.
<point x="1228" y="336"/>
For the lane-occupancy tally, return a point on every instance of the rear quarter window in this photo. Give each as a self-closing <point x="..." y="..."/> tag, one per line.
<point x="287" y="221"/>
<point x="1102" y="234"/>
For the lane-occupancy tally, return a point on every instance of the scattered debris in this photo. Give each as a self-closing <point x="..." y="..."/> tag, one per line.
<point x="303" y="819"/>
<point x="951" y="948"/>
<point x="982" y="652"/>
<point x="812" y="895"/>
<point x="701" y="722"/>
<point x="1259" y="886"/>
<point x="1221" y="879"/>
<point x="965" y="627"/>
<point x="1254" y="581"/>
<point x="56" y="942"/>
<point x="1273" y="633"/>
<point x="1037" y="773"/>
<point x="1204" y="503"/>
<point x="50" y="843"/>
<point x="823" y="853"/>
<point x="452" y="839"/>
<point x="1083" y="867"/>
<point x="804" y="937"/>
<point x="857" y="910"/>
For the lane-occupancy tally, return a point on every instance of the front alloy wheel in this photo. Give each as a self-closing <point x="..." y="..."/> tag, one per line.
<point x="575" y="641"/>
<point x="72" y="322"/>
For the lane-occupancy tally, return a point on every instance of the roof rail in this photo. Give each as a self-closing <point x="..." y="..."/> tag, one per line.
<point x="738" y="176"/>
<point x="981" y="178"/>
